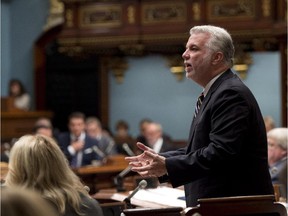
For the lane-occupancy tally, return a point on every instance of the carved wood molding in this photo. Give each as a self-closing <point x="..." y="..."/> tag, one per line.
<point x="125" y="26"/>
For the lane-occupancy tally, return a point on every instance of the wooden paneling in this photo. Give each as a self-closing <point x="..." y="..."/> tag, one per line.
<point x="16" y="124"/>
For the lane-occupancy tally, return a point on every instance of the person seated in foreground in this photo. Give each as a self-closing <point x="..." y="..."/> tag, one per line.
<point x="37" y="163"/>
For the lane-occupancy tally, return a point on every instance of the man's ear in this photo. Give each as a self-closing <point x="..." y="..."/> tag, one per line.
<point x="217" y="58"/>
<point x="284" y="153"/>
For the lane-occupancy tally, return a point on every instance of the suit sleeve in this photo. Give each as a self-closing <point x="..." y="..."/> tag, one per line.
<point x="180" y="151"/>
<point x="63" y="142"/>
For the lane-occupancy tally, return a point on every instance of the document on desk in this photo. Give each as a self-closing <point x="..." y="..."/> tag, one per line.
<point x="162" y="195"/>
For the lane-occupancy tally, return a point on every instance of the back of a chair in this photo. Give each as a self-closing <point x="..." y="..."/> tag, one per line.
<point x="169" y="211"/>
<point x="264" y="205"/>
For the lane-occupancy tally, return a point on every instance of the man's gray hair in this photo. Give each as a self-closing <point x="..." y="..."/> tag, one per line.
<point x="280" y="135"/>
<point x="220" y="41"/>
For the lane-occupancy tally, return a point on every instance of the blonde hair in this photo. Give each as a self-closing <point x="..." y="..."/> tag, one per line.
<point x="24" y="202"/>
<point x="36" y="162"/>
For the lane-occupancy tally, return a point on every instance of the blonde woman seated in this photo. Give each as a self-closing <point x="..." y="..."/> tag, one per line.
<point x="37" y="163"/>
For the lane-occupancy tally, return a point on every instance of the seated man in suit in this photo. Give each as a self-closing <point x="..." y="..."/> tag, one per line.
<point x="277" y="157"/>
<point x="156" y="140"/>
<point x="79" y="148"/>
<point x="93" y="128"/>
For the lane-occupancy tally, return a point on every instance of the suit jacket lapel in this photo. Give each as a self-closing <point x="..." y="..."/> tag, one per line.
<point x="224" y="76"/>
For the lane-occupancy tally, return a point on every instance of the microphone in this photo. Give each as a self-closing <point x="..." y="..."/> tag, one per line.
<point x="97" y="150"/>
<point x="109" y="147"/>
<point x="127" y="149"/>
<point x="124" y="172"/>
<point x="142" y="184"/>
<point x="118" y="180"/>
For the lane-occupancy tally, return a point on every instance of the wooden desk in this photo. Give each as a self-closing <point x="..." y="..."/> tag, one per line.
<point x="18" y="123"/>
<point x="102" y="177"/>
<point x="239" y="205"/>
<point x="114" y="164"/>
<point x="160" y="197"/>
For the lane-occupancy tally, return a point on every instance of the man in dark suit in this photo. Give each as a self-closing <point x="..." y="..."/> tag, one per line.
<point x="156" y="140"/>
<point x="226" y="153"/>
<point x="79" y="148"/>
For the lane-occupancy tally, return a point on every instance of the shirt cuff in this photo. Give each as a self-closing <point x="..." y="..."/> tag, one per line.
<point x="71" y="150"/>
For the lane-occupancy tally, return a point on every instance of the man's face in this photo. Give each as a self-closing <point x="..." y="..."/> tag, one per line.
<point x="45" y="131"/>
<point x="275" y="152"/>
<point x="76" y="126"/>
<point x="153" y="134"/>
<point x="197" y="57"/>
<point x="93" y="130"/>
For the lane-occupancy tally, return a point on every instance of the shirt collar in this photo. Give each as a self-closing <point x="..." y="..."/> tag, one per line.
<point x="81" y="137"/>
<point x="208" y="86"/>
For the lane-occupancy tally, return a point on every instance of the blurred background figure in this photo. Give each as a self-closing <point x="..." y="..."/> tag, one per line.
<point x="37" y="163"/>
<point x="5" y="151"/>
<point x="105" y="142"/>
<point x="44" y="126"/>
<point x="19" y="94"/>
<point x="79" y="148"/>
<point x="156" y="140"/>
<point x="269" y="123"/>
<point x="277" y="158"/>
<point x="125" y="143"/>
<point x="24" y="202"/>
<point x="142" y="130"/>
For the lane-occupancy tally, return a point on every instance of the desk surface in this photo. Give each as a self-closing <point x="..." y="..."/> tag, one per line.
<point x="99" y="177"/>
<point x="114" y="164"/>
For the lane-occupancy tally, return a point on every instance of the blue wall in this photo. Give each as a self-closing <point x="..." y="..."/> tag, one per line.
<point x="149" y="89"/>
<point x="5" y="47"/>
<point x="264" y="80"/>
<point x="23" y="23"/>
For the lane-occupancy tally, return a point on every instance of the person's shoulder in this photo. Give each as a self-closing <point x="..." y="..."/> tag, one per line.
<point x="63" y="136"/>
<point x="25" y="95"/>
<point x="90" y="206"/>
<point x="90" y="140"/>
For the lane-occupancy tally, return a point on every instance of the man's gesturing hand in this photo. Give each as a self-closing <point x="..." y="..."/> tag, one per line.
<point x="147" y="164"/>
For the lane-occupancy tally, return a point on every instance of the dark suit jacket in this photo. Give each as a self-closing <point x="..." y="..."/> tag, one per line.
<point x="89" y="207"/>
<point x="226" y="154"/>
<point x="89" y="155"/>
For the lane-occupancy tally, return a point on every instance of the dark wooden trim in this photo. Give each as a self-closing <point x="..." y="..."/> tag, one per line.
<point x="40" y="65"/>
<point x="104" y="91"/>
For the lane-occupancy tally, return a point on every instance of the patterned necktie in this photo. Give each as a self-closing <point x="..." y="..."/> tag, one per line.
<point x="198" y="104"/>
